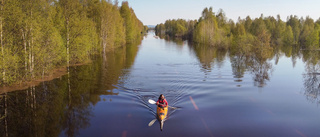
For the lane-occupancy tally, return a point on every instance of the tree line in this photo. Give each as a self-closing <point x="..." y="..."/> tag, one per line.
<point x="37" y="36"/>
<point x="246" y="35"/>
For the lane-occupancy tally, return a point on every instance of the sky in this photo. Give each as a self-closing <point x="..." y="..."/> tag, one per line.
<point x="153" y="12"/>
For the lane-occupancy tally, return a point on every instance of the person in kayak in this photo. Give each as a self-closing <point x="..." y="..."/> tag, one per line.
<point x="162" y="102"/>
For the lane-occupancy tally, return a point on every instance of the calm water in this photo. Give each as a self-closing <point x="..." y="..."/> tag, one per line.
<point x="219" y="94"/>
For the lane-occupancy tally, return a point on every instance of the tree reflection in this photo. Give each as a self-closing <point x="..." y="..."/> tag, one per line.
<point x="248" y="54"/>
<point x="292" y="52"/>
<point x="311" y="79"/>
<point x="64" y="105"/>
<point x="259" y="68"/>
<point x="261" y="71"/>
<point x="3" y="115"/>
<point x="209" y="56"/>
<point x="241" y="60"/>
<point x="239" y="67"/>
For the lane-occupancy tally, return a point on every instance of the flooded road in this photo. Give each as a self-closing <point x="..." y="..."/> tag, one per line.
<point x="218" y="94"/>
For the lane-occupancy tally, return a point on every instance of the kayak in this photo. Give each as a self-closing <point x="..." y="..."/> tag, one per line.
<point x="162" y="115"/>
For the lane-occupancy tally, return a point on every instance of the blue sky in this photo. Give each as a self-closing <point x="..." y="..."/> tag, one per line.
<point x="152" y="12"/>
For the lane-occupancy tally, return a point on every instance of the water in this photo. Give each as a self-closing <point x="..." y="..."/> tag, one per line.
<point x="218" y="94"/>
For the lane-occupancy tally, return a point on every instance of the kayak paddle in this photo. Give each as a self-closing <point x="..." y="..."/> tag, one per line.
<point x="153" y="102"/>
<point x="151" y="122"/>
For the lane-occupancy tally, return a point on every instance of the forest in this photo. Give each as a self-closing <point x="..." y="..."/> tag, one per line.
<point x="38" y="36"/>
<point x="246" y="36"/>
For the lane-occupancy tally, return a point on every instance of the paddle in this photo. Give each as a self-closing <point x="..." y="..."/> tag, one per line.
<point x="151" y="122"/>
<point x="153" y="102"/>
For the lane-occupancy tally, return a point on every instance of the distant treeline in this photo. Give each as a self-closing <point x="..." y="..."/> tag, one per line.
<point x="37" y="36"/>
<point x="215" y="30"/>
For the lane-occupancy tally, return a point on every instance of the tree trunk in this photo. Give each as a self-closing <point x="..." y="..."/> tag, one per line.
<point x="68" y="42"/>
<point x="67" y="18"/>
<point x="33" y="89"/>
<point x="31" y="56"/>
<point x="1" y="42"/>
<point x="103" y="36"/>
<point x="30" y="67"/>
<point x="25" y="49"/>
<point x="68" y="60"/>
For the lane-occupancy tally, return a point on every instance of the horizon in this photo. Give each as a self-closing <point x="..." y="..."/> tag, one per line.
<point x="156" y="12"/>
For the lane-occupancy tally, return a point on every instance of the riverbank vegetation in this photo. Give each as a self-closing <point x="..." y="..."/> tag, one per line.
<point x="260" y="35"/>
<point x="37" y="36"/>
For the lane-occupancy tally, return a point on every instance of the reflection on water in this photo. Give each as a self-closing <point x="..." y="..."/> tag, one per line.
<point x="260" y="70"/>
<point x="312" y="75"/>
<point x="239" y="67"/>
<point x="142" y="96"/>
<point x="215" y="89"/>
<point x="60" y="107"/>
<point x="258" y="67"/>
<point x="209" y="56"/>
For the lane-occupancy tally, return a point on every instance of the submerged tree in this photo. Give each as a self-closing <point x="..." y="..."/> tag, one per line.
<point x="215" y="30"/>
<point x="207" y="30"/>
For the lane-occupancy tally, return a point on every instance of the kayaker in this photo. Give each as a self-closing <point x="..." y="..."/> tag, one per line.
<point x="162" y="102"/>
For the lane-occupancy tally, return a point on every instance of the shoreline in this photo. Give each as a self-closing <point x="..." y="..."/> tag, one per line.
<point x="55" y="73"/>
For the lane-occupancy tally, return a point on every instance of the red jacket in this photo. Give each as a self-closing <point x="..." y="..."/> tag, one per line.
<point x="162" y="103"/>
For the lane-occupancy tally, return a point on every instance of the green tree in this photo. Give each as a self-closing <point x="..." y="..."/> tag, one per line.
<point x="12" y="49"/>
<point x="262" y="41"/>
<point x="294" y="22"/>
<point x="287" y="37"/>
<point x="134" y="27"/>
<point x="242" y="41"/>
<point x="78" y="34"/>
<point x="309" y="37"/>
<point x="248" y="23"/>
<point x="280" y="28"/>
<point x="206" y="31"/>
<point x="37" y="36"/>
<point x="312" y="40"/>
<point x="160" y="29"/>
<point x="129" y="24"/>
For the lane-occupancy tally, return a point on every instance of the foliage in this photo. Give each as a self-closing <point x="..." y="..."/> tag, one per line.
<point x="259" y="36"/>
<point x="38" y="36"/>
<point x="134" y="27"/>
<point x="176" y="28"/>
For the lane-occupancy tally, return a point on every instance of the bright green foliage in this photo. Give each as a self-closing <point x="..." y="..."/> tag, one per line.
<point x="126" y="14"/>
<point x="10" y="38"/>
<point x="41" y="35"/>
<point x="176" y="28"/>
<point x="239" y="30"/>
<point x="160" y="29"/>
<point x="243" y="45"/>
<point x="259" y="29"/>
<point x="47" y="47"/>
<point x="260" y="35"/>
<point x="79" y="31"/>
<point x="134" y="27"/>
<point x="110" y="24"/>
<point x="309" y="37"/>
<point x="247" y="23"/>
<point x="276" y="27"/>
<point x="312" y="40"/>
<point x="212" y="30"/>
<point x="242" y="41"/>
<point x="294" y="22"/>
<point x="287" y="36"/>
